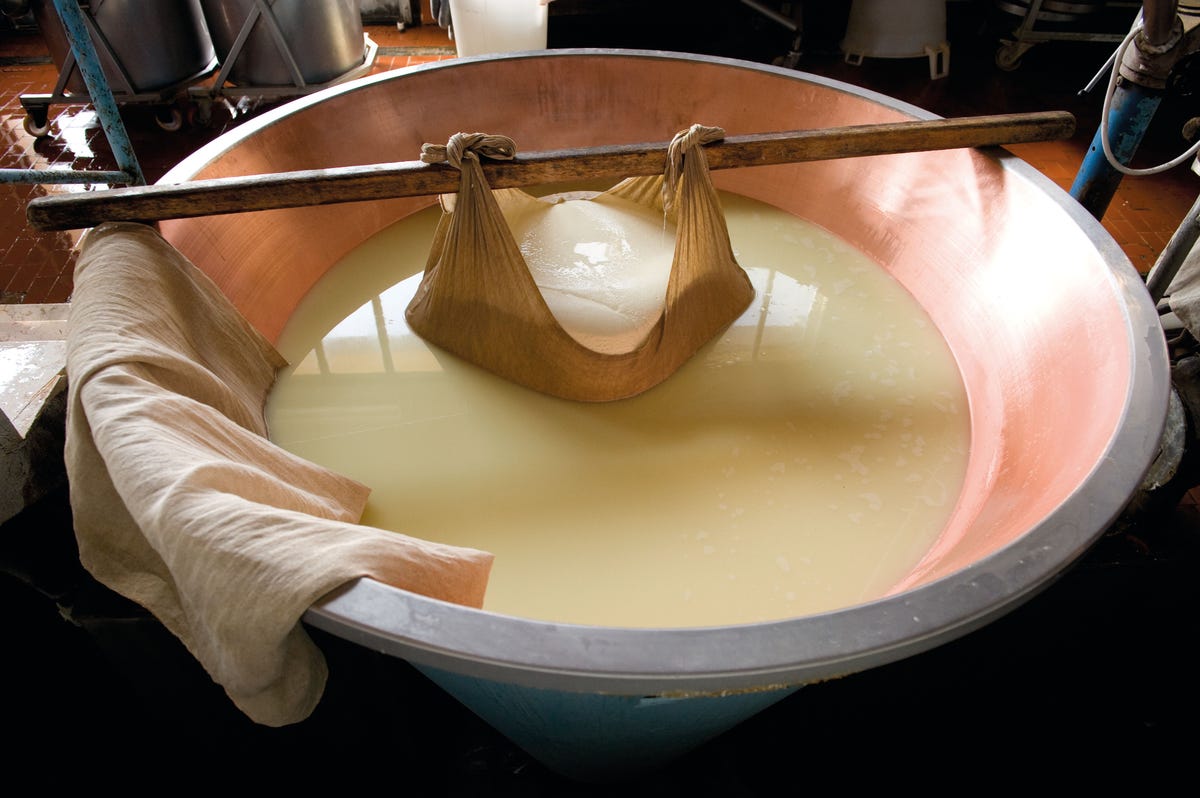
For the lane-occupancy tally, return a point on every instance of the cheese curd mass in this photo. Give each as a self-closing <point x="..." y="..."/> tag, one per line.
<point x="802" y="461"/>
<point x="602" y="266"/>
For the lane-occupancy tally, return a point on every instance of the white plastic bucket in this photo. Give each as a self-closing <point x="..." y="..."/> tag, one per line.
<point x="498" y="26"/>
<point x="880" y="29"/>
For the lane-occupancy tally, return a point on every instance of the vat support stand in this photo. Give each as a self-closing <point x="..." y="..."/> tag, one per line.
<point x="84" y="50"/>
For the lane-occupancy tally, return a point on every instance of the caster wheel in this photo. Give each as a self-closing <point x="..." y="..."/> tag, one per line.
<point x="1008" y="57"/>
<point x="200" y="115"/>
<point x="170" y="120"/>
<point x="35" y="128"/>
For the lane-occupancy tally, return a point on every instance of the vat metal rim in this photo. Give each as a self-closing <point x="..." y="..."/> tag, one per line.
<point x="792" y="652"/>
<point x="714" y="660"/>
<point x="701" y="660"/>
<point x="192" y="164"/>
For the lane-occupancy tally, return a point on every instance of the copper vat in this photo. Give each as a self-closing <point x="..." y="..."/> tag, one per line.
<point x="1058" y="344"/>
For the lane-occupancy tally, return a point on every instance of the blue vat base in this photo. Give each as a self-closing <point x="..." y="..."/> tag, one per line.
<point x="596" y="738"/>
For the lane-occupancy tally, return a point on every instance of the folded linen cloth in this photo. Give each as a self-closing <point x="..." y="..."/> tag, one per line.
<point x="183" y="505"/>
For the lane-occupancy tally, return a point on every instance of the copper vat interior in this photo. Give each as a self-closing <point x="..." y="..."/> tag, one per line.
<point x="1058" y="346"/>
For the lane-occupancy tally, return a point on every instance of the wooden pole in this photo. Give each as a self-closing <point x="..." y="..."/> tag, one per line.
<point x="414" y="178"/>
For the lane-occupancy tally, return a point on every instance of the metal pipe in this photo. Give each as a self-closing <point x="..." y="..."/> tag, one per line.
<point x="1158" y="21"/>
<point x="59" y="176"/>
<point x="98" y="89"/>
<point x="1174" y="254"/>
<point x="1129" y="116"/>
<point x="1100" y="75"/>
<point x="772" y="14"/>
<point x="1135" y="99"/>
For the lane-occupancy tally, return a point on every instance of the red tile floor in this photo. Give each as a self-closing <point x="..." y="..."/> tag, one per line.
<point x="1089" y="679"/>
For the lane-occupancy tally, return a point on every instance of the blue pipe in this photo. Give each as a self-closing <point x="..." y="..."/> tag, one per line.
<point x="60" y="176"/>
<point x="98" y="89"/>
<point x="1129" y="116"/>
<point x="603" y="737"/>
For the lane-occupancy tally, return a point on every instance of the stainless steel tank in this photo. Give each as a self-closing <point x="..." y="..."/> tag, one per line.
<point x="319" y="42"/>
<point x="146" y="47"/>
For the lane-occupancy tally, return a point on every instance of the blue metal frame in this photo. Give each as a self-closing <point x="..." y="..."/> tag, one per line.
<point x="1130" y="114"/>
<point x="88" y="63"/>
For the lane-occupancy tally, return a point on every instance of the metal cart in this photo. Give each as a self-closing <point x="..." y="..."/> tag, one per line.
<point x="1052" y="14"/>
<point x="291" y="32"/>
<point x="278" y="50"/>
<point x="135" y="72"/>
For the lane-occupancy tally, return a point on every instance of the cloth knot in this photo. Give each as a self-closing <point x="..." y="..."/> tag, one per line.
<point x="685" y="140"/>
<point x="469" y="145"/>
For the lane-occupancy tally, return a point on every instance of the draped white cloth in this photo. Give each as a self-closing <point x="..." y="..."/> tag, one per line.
<point x="183" y="505"/>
